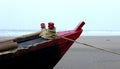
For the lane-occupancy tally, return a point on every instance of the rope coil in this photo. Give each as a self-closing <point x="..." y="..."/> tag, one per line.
<point x="90" y="46"/>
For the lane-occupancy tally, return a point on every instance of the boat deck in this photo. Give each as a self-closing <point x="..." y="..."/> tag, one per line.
<point x="31" y="42"/>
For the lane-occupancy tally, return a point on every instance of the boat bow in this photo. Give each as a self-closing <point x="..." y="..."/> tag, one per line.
<point x="34" y="51"/>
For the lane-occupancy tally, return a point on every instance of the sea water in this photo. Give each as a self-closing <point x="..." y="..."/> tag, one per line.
<point x="15" y="32"/>
<point x="84" y="33"/>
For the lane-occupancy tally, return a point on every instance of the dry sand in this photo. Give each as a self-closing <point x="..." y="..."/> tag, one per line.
<point x="82" y="57"/>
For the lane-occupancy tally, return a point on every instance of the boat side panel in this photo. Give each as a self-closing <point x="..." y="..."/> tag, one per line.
<point x="45" y="58"/>
<point x="66" y="44"/>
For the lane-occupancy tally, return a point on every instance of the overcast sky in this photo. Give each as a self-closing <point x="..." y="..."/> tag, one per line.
<point x="66" y="14"/>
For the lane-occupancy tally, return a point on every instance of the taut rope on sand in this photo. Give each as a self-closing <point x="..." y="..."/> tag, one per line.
<point x="90" y="45"/>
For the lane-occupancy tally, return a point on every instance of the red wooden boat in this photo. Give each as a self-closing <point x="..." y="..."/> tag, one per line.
<point x="33" y="51"/>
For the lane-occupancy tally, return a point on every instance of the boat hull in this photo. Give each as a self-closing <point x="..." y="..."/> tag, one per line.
<point x="43" y="55"/>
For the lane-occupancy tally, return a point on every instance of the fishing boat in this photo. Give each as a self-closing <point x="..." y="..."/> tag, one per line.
<point x="32" y="51"/>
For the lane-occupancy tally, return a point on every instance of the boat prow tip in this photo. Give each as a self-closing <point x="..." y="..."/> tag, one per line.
<point x="79" y="26"/>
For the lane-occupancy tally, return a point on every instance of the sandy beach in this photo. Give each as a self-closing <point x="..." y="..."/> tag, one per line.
<point x="82" y="57"/>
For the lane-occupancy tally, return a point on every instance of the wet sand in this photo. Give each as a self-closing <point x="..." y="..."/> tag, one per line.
<point x="83" y="57"/>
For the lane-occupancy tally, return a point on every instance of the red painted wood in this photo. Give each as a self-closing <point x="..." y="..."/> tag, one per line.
<point x="64" y="44"/>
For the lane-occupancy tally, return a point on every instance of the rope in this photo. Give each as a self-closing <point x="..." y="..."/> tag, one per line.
<point x="90" y="46"/>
